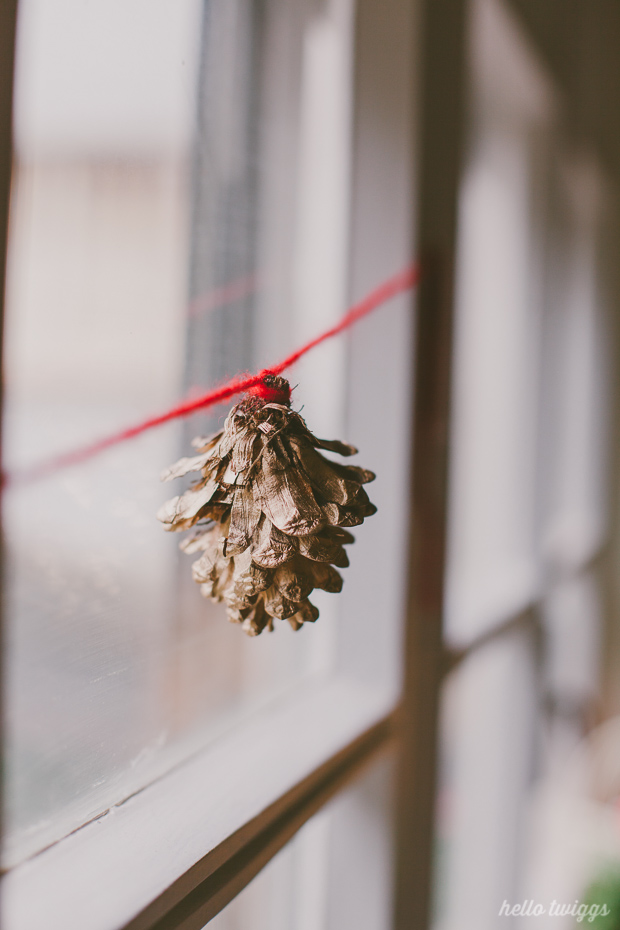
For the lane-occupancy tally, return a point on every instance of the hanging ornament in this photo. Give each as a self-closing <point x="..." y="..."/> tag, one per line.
<point x="271" y="512"/>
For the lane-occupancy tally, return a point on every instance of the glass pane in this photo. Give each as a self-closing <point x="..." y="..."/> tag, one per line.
<point x="486" y="765"/>
<point x="493" y="565"/>
<point x="335" y="873"/>
<point x="159" y="242"/>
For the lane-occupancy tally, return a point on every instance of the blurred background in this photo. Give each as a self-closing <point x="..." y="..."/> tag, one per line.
<point x="199" y="186"/>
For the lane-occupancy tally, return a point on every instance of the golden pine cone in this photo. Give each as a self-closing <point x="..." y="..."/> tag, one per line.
<point x="271" y="512"/>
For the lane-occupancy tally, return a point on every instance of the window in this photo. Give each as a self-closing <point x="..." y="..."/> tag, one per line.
<point x="528" y="487"/>
<point x="198" y="186"/>
<point x="128" y="695"/>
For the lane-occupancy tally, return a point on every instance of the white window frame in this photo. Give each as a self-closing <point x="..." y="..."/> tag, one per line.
<point x="183" y="847"/>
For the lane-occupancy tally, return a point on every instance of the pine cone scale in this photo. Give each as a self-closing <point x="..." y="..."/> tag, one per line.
<point x="287" y="499"/>
<point x="273" y="547"/>
<point x="244" y="517"/>
<point x="322" y="477"/>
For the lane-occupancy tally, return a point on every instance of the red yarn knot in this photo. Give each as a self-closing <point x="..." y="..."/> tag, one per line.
<point x="272" y="389"/>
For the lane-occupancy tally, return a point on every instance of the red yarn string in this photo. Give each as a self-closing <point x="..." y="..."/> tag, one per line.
<point x="226" y="294"/>
<point x="403" y="281"/>
<point x="396" y="285"/>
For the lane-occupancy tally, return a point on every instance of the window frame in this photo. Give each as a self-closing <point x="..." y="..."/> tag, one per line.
<point x="72" y="879"/>
<point x="8" y="27"/>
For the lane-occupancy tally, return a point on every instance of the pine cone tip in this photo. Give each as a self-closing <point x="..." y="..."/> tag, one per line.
<point x="272" y="389"/>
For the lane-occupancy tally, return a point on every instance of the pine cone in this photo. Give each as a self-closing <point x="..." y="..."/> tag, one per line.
<point x="271" y="511"/>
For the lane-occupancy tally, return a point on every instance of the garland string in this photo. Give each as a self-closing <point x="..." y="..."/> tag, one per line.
<point x="226" y="294"/>
<point x="399" y="283"/>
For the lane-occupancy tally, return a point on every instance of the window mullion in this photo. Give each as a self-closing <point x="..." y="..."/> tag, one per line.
<point x="442" y="41"/>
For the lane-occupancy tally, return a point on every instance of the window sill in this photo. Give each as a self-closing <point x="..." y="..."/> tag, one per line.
<point x="180" y="849"/>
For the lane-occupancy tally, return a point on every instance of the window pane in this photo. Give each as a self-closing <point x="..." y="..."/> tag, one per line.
<point x="493" y="567"/>
<point x="159" y="242"/>
<point x="94" y="341"/>
<point x="486" y="766"/>
<point x="335" y="873"/>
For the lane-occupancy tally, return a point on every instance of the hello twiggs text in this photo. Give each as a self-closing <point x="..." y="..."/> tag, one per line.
<point x="588" y="912"/>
